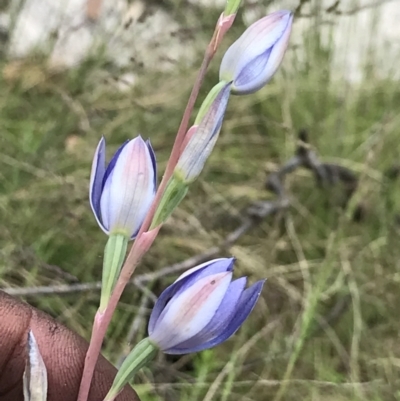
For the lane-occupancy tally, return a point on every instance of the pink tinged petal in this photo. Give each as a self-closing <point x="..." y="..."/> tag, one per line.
<point x="202" y="141"/>
<point x="188" y="137"/>
<point x="244" y="307"/>
<point x="188" y="313"/>
<point x="222" y="316"/>
<point x="129" y="189"/>
<point x="96" y="181"/>
<point x="185" y="282"/>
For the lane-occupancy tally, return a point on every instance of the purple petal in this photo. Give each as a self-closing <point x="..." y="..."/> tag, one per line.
<point x="113" y="160"/>
<point x="245" y="306"/>
<point x="185" y="281"/>
<point x="105" y="195"/>
<point x="222" y="317"/>
<point x="258" y="72"/>
<point x="253" y="70"/>
<point x="253" y="59"/>
<point x="96" y="180"/>
<point x="188" y="313"/>
<point x="262" y="36"/>
<point x="211" y="267"/>
<point x="153" y="159"/>
<point x="278" y="51"/>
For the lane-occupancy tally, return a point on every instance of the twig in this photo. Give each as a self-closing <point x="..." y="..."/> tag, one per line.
<point x="333" y="9"/>
<point x="139" y="280"/>
<point x="325" y="174"/>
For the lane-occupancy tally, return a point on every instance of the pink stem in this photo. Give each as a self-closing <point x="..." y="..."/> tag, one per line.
<point x="92" y="354"/>
<point x="139" y="248"/>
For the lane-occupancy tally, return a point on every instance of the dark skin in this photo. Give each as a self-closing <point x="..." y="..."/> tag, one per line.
<point x="62" y="350"/>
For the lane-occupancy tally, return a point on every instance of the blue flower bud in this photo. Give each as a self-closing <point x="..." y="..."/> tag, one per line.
<point x="204" y="136"/>
<point x="201" y="309"/>
<point x="122" y="193"/>
<point x="254" y="58"/>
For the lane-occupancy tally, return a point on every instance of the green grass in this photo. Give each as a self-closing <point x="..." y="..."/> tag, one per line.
<point x="314" y="257"/>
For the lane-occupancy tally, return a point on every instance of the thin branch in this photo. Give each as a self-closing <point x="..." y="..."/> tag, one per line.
<point x="142" y="279"/>
<point x="333" y="9"/>
<point x="325" y="174"/>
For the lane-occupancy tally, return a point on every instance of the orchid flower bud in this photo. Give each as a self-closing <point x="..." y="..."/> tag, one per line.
<point x="195" y="150"/>
<point x="254" y="58"/>
<point x="201" y="309"/>
<point x="204" y="137"/>
<point x="122" y="193"/>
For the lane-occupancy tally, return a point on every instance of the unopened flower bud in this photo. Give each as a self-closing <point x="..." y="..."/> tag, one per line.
<point x="254" y="58"/>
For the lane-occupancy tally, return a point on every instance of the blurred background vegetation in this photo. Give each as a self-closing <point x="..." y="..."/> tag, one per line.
<point x="327" y="324"/>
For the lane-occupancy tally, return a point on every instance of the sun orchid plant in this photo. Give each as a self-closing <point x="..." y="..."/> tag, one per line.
<point x="205" y="305"/>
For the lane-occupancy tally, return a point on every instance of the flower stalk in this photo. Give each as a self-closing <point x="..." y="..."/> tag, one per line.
<point x="139" y="357"/>
<point x="102" y="319"/>
<point x="114" y="256"/>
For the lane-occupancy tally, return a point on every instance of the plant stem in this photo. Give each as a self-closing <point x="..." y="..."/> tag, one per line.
<point x="103" y="319"/>
<point x="142" y="244"/>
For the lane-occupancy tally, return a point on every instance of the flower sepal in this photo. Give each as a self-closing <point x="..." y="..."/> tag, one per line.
<point x="139" y="357"/>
